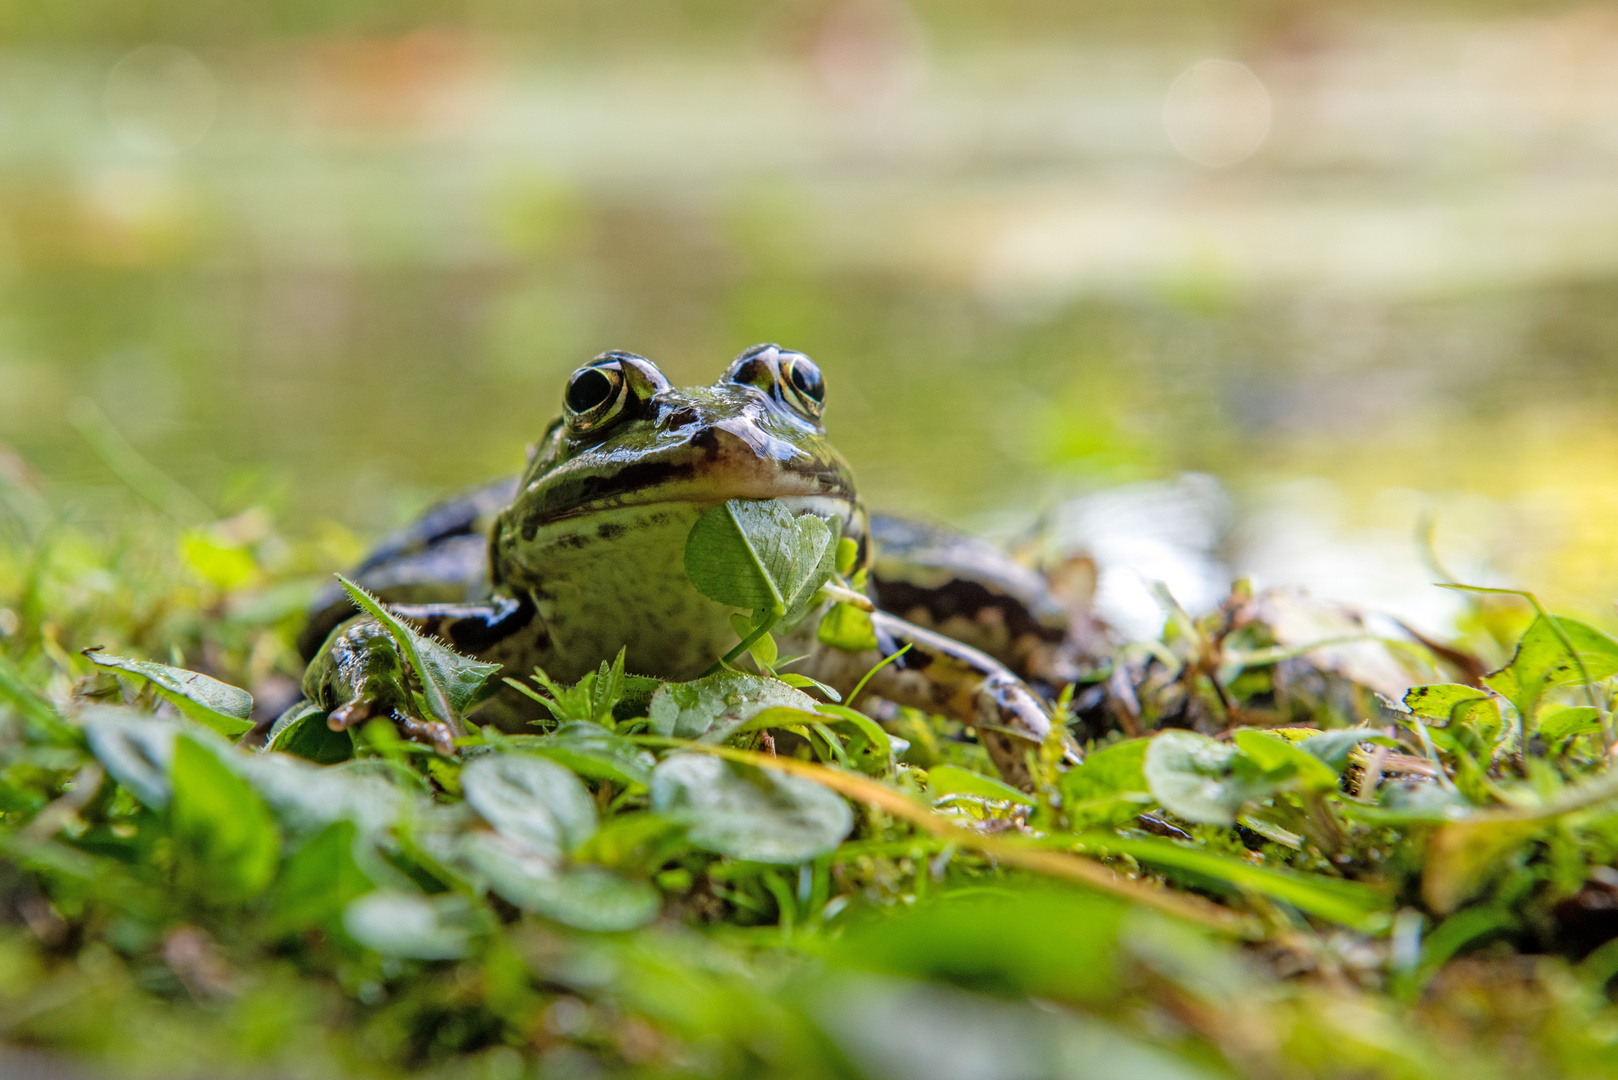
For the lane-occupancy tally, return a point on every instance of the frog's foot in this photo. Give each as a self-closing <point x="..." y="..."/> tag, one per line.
<point x="357" y="676"/>
<point x="942" y="676"/>
<point x="354" y="714"/>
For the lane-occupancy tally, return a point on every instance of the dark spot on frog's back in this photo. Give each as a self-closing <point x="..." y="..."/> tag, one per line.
<point x="610" y="531"/>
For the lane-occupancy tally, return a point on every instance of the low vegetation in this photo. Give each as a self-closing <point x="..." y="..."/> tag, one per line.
<point x="1260" y="867"/>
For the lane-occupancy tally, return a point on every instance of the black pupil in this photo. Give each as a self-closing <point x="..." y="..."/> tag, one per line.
<point x="589" y="389"/>
<point x="807" y="380"/>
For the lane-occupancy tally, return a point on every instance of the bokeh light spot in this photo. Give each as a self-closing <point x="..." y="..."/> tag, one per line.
<point x="161" y="99"/>
<point x="1217" y="112"/>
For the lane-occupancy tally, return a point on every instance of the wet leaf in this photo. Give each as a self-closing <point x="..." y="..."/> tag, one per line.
<point x="530" y="799"/>
<point x="715" y="707"/>
<point x="223" y="707"/>
<point x="748" y="813"/>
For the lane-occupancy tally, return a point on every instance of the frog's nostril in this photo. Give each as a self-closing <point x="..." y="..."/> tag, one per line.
<point x="680" y="418"/>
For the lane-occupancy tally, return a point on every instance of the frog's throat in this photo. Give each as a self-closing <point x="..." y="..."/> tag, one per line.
<point x="617" y="579"/>
<point x="629" y="533"/>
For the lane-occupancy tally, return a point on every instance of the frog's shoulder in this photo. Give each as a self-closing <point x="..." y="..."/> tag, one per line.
<point x="973" y="591"/>
<point x="468" y="513"/>
<point x="441" y="557"/>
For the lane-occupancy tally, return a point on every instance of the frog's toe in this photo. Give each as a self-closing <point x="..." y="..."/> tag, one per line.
<point x="353" y="714"/>
<point x="434" y="733"/>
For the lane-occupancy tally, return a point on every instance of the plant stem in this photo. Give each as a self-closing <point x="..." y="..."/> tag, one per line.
<point x="743" y="645"/>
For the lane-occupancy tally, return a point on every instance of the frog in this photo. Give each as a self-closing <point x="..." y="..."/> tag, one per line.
<point x="581" y="556"/>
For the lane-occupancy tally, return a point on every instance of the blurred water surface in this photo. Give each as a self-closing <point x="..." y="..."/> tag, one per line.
<point x="1359" y="266"/>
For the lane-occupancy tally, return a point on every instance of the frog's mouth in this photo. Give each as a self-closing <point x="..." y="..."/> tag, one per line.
<point x="712" y="466"/>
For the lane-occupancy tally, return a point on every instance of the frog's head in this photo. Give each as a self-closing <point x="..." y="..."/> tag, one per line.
<point x="626" y="438"/>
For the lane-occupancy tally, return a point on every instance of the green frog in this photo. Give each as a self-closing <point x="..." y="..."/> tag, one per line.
<point x="583" y="555"/>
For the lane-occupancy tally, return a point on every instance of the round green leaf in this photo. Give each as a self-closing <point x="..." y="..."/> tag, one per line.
<point x="408" y="925"/>
<point x="1199" y="779"/>
<point x="582" y="896"/>
<point x="747" y="813"/>
<point x="720" y="704"/>
<point x="757" y="555"/>
<point x="530" y="799"/>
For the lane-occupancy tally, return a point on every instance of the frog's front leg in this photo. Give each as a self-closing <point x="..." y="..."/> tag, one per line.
<point x="356" y="675"/>
<point x="942" y="676"/>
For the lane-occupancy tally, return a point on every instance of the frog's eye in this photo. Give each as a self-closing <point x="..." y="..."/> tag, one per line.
<point x="595" y="394"/>
<point x="787" y="376"/>
<point x="803" y="381"/>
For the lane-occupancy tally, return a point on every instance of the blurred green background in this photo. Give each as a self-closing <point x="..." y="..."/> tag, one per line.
<point x="1359" y="262"/>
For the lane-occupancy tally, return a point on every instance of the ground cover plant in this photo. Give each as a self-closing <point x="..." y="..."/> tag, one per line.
<point x="1260" y="868"/>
